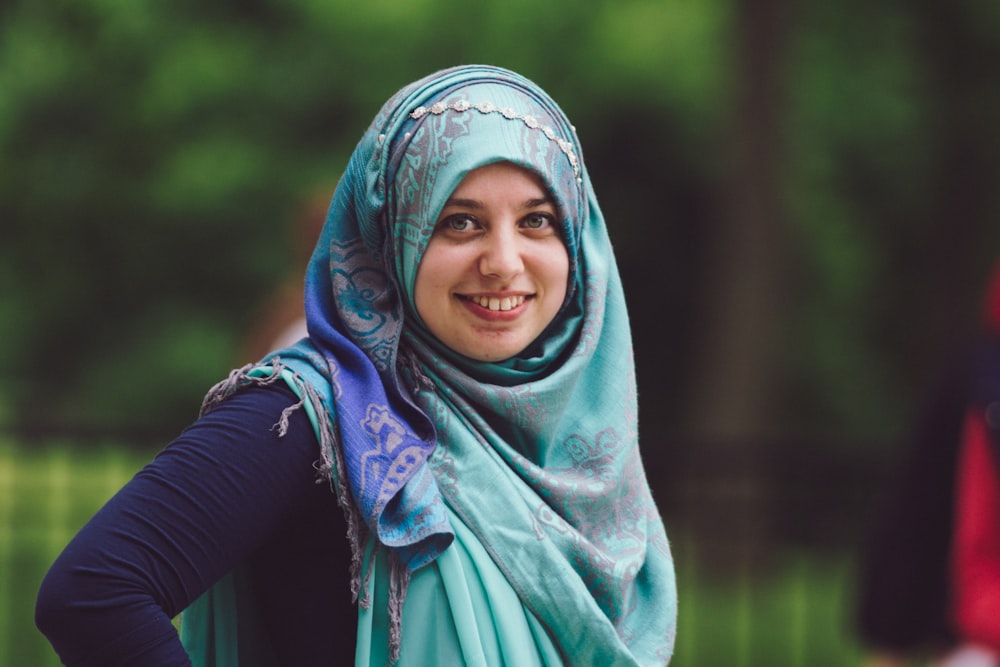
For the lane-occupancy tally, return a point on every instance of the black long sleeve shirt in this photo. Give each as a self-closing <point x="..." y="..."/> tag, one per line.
<point x="227" y="491"/>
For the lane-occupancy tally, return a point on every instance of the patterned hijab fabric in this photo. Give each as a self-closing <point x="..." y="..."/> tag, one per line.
<point x="538" y="454"/>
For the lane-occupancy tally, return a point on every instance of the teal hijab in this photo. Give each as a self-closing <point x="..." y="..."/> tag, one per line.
<point x="538" y="454"/>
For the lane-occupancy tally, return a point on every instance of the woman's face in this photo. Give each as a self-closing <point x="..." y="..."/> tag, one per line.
<point x="495" y="271"/>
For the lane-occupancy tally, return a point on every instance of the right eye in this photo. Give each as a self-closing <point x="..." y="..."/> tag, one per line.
<point x="460" y="222"/>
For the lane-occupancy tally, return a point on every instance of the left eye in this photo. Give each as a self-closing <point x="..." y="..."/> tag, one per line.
<point x="537" y="221"/>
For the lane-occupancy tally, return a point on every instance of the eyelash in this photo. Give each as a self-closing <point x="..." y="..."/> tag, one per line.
<point x="447" y="223"/>
<point x="545" y="219"/>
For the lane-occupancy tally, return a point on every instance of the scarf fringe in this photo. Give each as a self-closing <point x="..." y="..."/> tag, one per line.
<point x="399" y="583"/>
<point x="238" y="379"/>
<point x="333" y="470"/>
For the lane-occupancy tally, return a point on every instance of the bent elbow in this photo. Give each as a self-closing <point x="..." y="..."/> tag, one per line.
<point x="54" y="606"/>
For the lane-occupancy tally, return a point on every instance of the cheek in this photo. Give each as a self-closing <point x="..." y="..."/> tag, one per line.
<point x="431" y="278"/>
<point x="556" y="271"/>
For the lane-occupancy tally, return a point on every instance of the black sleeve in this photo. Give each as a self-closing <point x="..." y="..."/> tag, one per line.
<point x="227" y="490"/>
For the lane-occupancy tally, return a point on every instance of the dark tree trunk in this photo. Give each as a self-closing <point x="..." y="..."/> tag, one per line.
<point x="743" y="308"/>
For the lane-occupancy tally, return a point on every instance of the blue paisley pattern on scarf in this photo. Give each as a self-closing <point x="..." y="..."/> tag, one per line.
<point x="538" y="455"/>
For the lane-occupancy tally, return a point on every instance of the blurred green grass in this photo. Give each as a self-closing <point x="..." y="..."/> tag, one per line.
<point x="47" y="493"/>
<point x="791" y="614"/>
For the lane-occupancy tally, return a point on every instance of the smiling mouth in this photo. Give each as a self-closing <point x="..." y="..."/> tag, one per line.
<point x="495" y="303"/>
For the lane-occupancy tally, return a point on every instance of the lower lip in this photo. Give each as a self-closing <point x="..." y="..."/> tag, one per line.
<point x="494" y="315"/>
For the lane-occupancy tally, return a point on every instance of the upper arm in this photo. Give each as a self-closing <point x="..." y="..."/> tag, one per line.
<point x="203" y="505"/>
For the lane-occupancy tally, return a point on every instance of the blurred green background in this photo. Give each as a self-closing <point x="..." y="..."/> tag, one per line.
<point x="802" y="195"/>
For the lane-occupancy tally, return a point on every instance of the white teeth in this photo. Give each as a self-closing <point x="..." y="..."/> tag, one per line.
<point x="493" y="303"/>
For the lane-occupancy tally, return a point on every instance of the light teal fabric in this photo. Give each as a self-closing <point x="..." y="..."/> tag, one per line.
<point x="537" y="456"/>
<point x="222" y="627"/>
<point x="459" y="610"/>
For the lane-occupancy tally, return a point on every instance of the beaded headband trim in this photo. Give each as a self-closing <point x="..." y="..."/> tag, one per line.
<point x="531" y="122"/>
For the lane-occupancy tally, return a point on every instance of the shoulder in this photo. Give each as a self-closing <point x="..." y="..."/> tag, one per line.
<point x="241" y="434"/>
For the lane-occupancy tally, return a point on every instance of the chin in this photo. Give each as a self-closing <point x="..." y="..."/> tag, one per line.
<point x="491" y="355"/>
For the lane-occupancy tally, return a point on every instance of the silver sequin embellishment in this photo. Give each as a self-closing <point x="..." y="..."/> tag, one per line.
<point x="530" y="122"/>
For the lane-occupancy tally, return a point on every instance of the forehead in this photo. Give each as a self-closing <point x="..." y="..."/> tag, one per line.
<point x="503" y="180"/>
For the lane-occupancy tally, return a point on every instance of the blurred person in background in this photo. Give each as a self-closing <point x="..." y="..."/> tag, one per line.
<point x="930" y="584"/>
<point x="466" y="399"/>
<point x="975" y="562"/>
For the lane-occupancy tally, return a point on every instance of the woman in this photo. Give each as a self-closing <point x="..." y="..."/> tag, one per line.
<point x="930" y="586"/>
<point x="468" y="376"/>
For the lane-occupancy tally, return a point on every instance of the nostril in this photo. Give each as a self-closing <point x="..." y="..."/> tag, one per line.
<point x="502" y="260"/>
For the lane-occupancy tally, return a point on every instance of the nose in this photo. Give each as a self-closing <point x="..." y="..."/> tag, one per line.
<point x="501" y="255"/>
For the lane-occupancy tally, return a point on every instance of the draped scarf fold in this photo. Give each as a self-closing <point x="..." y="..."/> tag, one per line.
<point x="538" y="455"/>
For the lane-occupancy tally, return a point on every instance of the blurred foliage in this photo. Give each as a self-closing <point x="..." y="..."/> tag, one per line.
<point x="892" y="153"/>
<point x="152" y="156"/>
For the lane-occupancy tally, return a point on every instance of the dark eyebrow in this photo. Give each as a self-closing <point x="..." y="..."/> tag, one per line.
<point x="535" y="203"/>
<point x="463" y="203"/>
